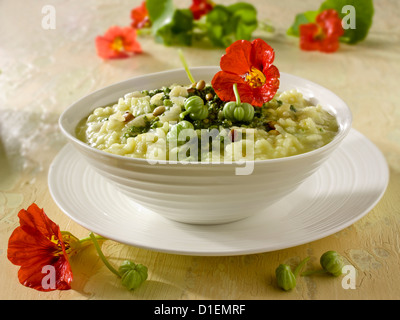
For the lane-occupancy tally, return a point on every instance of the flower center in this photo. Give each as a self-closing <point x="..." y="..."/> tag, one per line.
<point x="255" y="78"/>
<point x="58" y="249"/>
<point x="320" y="34"/>
<point x="117" y="44"/>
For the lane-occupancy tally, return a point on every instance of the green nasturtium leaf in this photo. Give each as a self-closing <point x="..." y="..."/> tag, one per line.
<point x="160" y="12"/>
<point x="219" y="28"/>
<point x="364" y="12"/>
<point x="226" y="24"/>
<point x="245" y="19"/>
<point x="170" y="26"/>
<point x="301" y="18"/>
<point x="223" y="25"/>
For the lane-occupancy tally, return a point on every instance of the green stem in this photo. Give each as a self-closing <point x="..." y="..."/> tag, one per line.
<point x="183" y="60"/>
<point x="90" y="238"/>
<point x="300" y="266"/>
<point x="101" y="255"/>
<point x="183" y="115"/>
<point x="236" y="92"/>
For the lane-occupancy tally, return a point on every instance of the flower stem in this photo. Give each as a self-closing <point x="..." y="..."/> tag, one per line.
<point x="300" y="266"/>
<point x="236" y="92"/>
<point x="183" y="60"/>
<point x="101" y="255"/>
<point x="90" y="238"/>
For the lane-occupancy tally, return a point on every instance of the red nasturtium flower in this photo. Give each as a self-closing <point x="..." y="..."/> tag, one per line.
<point x="249" y="65"/>
<point x="38" y="243"/>
<point x="140" y="17"/>
<point x="118" y="43"/>
<point x="324" y="34"/>
<point x="200" y="8"/>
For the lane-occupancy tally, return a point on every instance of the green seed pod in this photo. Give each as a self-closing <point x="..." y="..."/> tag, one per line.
<point x="132" y="275"/>
<point x="332" y="262"/>
<point x="233" y="112"/>
<point x="173" y="134"/>
<point x="238" y="113"/>
<point x="195" y="107"/>
<point x="228" y="110"/>
<point x="285" y="277"/>
<point x="236" y="110"/>
<point x="248" y="112"/>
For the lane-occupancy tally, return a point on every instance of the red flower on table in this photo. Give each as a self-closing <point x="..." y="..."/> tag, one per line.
<point x="140" y="17"/>
<point x="118" y="43"/>
<point x="324" y="34"/>
<point x="38" y="243"/>
<point x="200" y="8"/>
<point x="249" y="65"/>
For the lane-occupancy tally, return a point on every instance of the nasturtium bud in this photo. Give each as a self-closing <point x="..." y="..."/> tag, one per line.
<point x="176" y="129"/>
<point x="228" y="109"/>
<point x="238" y="113"/>
<point x="332" y="262"/>
<point x="285" y="277"/>
<point x="248" y="112"/>
<point x="234" y="112"/>
<point x="196" y="108"/>
<point x="132" y="275"/>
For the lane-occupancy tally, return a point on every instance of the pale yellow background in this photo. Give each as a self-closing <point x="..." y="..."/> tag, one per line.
<point x="43" y="71"/>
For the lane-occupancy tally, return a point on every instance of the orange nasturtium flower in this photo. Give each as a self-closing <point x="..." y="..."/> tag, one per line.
<point x="118" y="43"/>
<point x="324" y="34"/>
<point x="200" y="8"/>
<point x="43" y="252"/>
<point x="38" y="243"/>
<point x="140" y="17"/>
<point x="249" y="65"/>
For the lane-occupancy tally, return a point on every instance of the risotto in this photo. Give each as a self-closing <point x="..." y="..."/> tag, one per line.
<point x="189" y="123"/>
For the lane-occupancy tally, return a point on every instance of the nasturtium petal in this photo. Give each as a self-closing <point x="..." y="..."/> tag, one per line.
<point x="249" y="66"/>
<point x="237" y="58"/>
<point x="222" y="83"/>
<point x="262" y="54"/>
<point x="36" y="243"/>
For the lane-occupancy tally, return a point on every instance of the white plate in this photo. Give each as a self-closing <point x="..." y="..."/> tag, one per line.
<point x="342" y="191"/>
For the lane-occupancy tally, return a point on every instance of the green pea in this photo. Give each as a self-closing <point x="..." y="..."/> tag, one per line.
<point x="167" y="102"/>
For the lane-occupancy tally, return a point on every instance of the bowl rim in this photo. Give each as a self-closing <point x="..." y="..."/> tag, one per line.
<point x="343" y="131"/>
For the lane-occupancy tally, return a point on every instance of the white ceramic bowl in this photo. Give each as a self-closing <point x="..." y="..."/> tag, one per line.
<point x="203" y="193"/>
